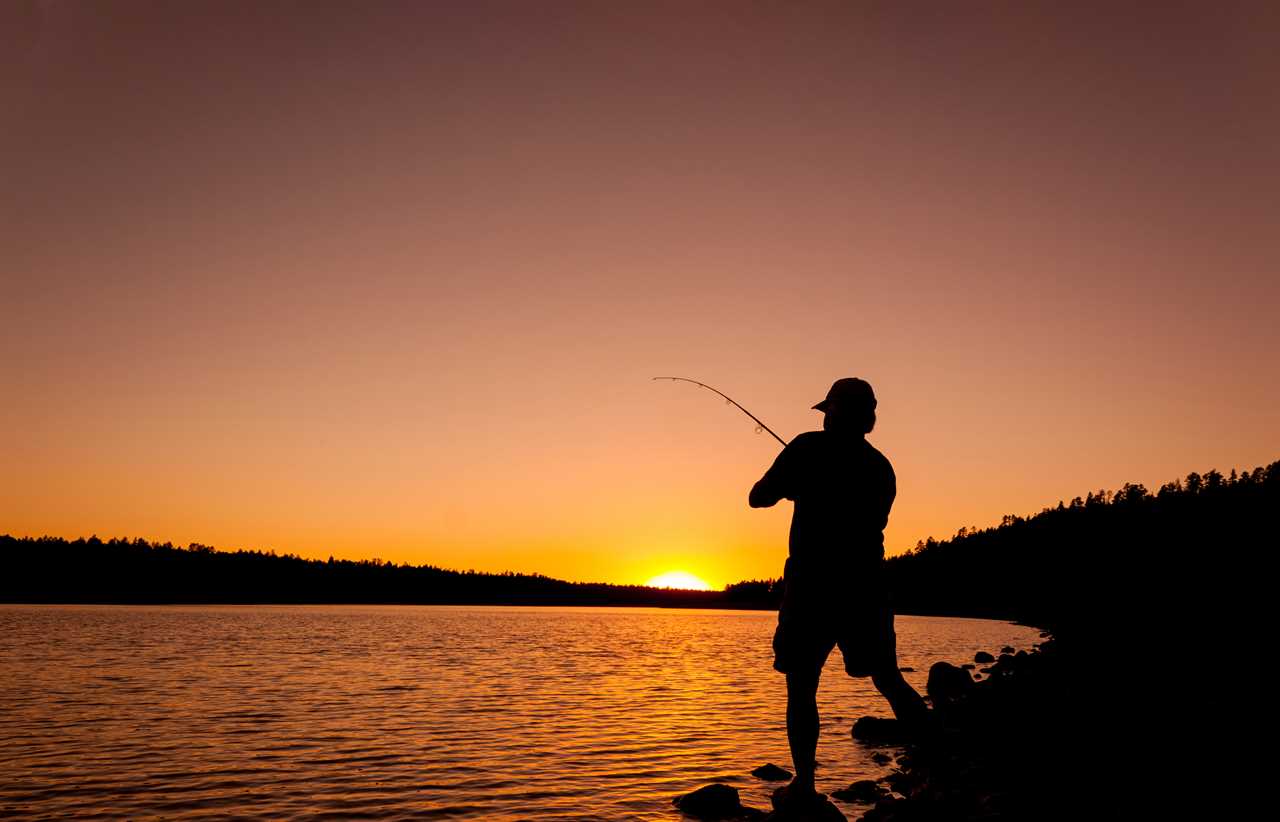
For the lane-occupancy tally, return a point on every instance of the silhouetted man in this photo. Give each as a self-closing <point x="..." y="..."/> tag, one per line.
<point x="834" y="592"/>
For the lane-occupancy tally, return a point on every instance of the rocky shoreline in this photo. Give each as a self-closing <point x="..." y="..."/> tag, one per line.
<point x="1003" y="744"/>
<point x="1000" y="747"/>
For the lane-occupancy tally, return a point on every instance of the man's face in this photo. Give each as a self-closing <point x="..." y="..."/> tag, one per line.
<point x="842" y="417"/>
<point x="832" y="417"/>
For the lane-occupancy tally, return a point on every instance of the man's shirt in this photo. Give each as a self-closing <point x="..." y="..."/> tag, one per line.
<point x="843" y="489"/>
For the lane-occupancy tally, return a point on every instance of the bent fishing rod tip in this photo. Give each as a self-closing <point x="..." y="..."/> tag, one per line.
<point x="760" y="425"/>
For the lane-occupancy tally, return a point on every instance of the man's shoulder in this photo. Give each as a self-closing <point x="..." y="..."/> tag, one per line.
<point x="875" y="453"/>
<point x="808" y="439"/>
<point x="804" y="449"/>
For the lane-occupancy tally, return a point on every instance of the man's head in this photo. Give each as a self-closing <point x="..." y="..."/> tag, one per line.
<point x="850" y="406"/>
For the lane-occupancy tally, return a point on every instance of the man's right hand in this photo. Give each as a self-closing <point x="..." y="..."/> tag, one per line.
<point x="762" y="496"/>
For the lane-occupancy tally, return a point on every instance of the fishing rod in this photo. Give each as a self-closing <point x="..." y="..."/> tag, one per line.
<point x="761" y="426"/>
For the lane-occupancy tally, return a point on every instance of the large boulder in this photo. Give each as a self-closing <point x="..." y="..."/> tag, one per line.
<point x="983" y="658"/>
<point x="864" y="790"/>
<point x="818" y="809"/>
<point x="886" y="810"/>
<point x="902" y="781"/>
<point x="826" y="812"/>
<point x="880" y="731"/>
<point x="715" y="801"/>
<point x="947" y="684"/>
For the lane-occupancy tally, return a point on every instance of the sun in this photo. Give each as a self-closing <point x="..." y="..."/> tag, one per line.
<point x="678" y="579"/>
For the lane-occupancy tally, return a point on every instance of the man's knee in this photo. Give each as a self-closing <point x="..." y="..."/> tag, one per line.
<point x="889" y="679"/>
<point x="803" y="683"/>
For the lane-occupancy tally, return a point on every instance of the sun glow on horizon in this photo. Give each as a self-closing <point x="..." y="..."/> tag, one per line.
<point x="678" y="579"/>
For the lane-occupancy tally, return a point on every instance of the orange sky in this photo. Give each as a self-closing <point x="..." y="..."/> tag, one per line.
<point x="392" y="280"/>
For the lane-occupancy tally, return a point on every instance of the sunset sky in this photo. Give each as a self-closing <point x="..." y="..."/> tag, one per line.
<point x="391" y="279"/>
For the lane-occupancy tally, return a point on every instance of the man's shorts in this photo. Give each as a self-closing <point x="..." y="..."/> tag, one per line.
<point x="819" y="612"/>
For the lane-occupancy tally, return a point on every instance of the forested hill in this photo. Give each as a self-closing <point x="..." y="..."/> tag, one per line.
<point x="1066" y="566"/>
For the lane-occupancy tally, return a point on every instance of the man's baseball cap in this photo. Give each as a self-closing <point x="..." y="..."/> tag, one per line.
<point x="849" y="390"/>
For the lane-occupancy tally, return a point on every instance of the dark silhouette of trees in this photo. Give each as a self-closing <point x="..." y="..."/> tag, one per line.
<point x="1051" y="569"/>
<point x="50" y="569"/>
<point x="754" y="593"/>
<point x="1069" y="566"/>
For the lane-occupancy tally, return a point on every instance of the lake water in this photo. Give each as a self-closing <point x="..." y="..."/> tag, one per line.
<point x="415" y="711"/>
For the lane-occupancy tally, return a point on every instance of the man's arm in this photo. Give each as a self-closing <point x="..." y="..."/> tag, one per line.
<point x="763" y="495"/>
<point x="776" y="484"/>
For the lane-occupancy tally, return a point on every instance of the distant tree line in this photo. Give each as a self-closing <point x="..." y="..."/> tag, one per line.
<point x="50" y="569"/>
<point x="1049" y="569"/>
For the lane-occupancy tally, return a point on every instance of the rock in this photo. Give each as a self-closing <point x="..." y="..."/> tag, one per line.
<point x="878" y="730"/>
<point x="826" y="812"/>
<point x="864" y="790"/>
<point x="772" y="773"/>
<point x="1008" y="649"/>
<point x="819" y="810"/>
<point x="983" y="658"/>
<point x="907" y="670"/>
<point x="881" y="758"/>
<point x="968" y="666"/>
<point x="714" y="801"/>
<point x="947" y="683"/>
<point x="901" y="781"/>
<point x="884" y="811"/>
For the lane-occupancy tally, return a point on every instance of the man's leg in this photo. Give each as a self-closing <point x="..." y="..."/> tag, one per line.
<point x="802" y="727"/>
<point x="908" y="706"/>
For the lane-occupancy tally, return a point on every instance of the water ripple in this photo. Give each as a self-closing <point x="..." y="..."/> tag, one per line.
<point x="269" y="712"/>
